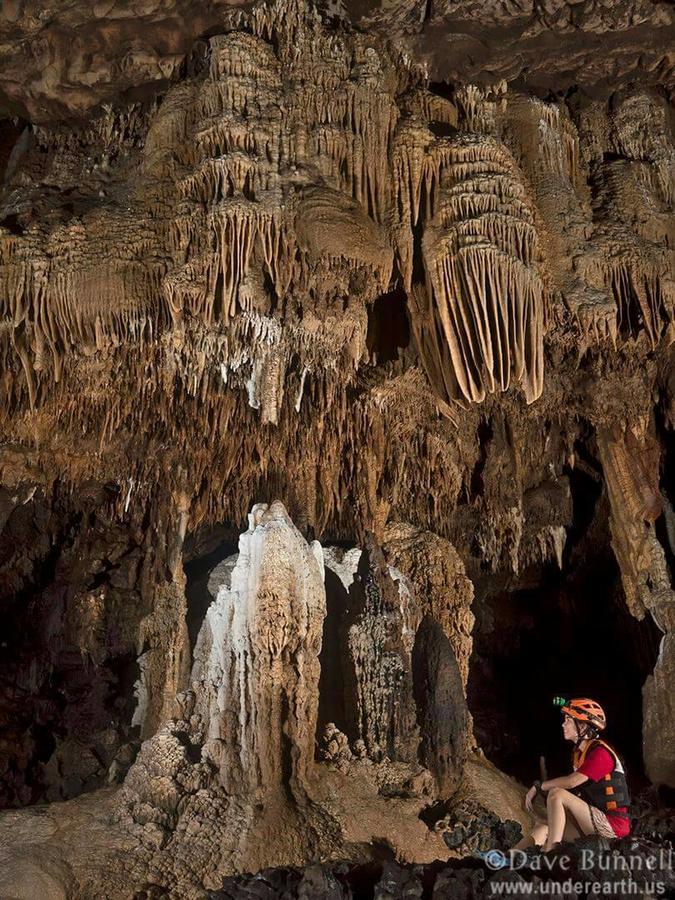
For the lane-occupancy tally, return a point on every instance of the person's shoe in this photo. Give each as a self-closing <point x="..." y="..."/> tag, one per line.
<point x="554" y="847"/>
<point x="532" y="853"/>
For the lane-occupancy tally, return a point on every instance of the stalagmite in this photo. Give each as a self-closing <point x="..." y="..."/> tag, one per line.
<point x="441" y="705"/>
<point x="439" y="582"/>
<point x="256" y="669"/>
<point x="378" y="631"/>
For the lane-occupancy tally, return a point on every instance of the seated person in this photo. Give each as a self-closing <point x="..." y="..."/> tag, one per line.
<point x="594" y="798"/>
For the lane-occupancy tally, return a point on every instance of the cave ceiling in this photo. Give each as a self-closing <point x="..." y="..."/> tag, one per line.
<point x="395" y="281"/>
<point x="61" y="60"/>
<point x="211" y="218"/>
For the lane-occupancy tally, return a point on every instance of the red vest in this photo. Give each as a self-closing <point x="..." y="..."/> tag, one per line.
<point x="612" y="790"/>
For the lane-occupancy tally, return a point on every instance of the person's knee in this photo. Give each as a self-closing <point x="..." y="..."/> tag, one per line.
<point x="555" y="795"/>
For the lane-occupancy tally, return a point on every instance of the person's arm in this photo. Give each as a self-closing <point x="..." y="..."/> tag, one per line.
<point x="567" y="782"/>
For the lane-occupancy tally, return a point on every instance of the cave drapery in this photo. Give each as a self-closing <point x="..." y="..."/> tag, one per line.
<point x="404" y="306"/>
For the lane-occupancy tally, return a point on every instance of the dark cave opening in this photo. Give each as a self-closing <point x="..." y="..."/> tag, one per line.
<point x="388" y="326"/>
<point x="10" y="133"/>
<point x="68" y="661"/>
<point x="443" y="89"/>
<point x="565" y="633"/>
<point x="331" y="681"/>
<point x="202" y="552"/>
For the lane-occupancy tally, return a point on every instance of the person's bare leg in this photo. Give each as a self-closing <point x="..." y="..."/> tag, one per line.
<point x="558" y="803"/>
<point x="571" y="832"/>
<point x="555" y="811"/>
<point x="536" y="837"/>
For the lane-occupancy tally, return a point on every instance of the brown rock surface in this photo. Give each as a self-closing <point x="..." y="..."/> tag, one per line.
<point x="400" y="279"/>
<point x="441" y="706"/>
<point x="64" y="62"/>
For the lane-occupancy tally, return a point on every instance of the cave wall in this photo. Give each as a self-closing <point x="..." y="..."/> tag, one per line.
<point x="427" y="316"/>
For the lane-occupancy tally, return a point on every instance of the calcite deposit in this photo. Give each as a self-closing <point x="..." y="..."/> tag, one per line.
<point x="337" y="400"/>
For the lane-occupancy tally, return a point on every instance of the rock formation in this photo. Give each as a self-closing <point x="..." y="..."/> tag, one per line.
<point x="396" y="284"/>
<point x="256" y="670"/>
<point x="378" y="629"/>
<point x="207" y="792"/>
<point x="441" y="706"/>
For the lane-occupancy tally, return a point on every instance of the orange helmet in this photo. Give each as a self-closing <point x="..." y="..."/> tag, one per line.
<point x="585" y="710"/>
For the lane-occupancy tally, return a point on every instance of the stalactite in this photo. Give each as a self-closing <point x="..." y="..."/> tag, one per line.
<point x="235" y="158"/>
<point x="14" y="280"/>
<point x="640" y="130"/>
<point x="616" y="281"/>
<point x="420" y="103"/>
<point x="594" y="312"/>
<point x="637" y="280"/>
<point x="557" y="142"/>
<point x="479" y="107"/>
<point x="167" y="129"/>
<point x="481" y="255"/>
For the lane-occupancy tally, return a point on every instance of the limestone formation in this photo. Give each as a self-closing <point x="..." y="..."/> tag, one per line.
<point x="255" y="675"/>
<point x="394" y="284"/>
<point x="484" y="303"/>
<point x="439" y="581"/>
<point x="441" y="706"/>
<point x="379" y="627"/>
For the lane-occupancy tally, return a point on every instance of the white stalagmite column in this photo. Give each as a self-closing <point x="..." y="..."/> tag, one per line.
<point x="256" y="668"/>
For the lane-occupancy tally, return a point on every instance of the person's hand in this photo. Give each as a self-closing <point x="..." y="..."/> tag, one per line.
<point x="529" y="798"/>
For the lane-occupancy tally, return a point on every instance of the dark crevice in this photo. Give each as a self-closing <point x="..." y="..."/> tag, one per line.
<point x="388" y="326"/>
<point x="10" y="133"/>
<point x="288" y="750"/>
<point x="442" y="89"/>
<point x="121" y="700"/>
<point x="586" y="492"/>
<point x="485" y="434"/>
<point x="12" y="224"/>
<point x="271" y="291"/>
<point x="218" y="297"/>
<point x="331" y="682"/>
<point x="204" y="553"/>
<point x="428" y="11"/>
<point x="443" y="129"/>
<point x="665" y="534"/>
<point x="665" y="524"/>
<point x="192" y="751"/>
